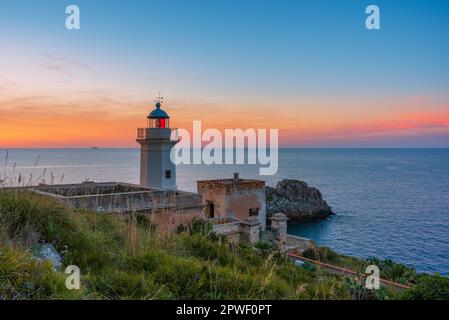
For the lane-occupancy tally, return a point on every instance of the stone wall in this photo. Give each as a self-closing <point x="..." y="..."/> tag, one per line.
<point x="279" y="228"/>
<point x="168" y="220"/>
<point x="167" y="209"/>
<point x="230" y="230"/>
<point x="298" y="244"/>
<point x="237" y="231"/>
<point x="119" y="197"/>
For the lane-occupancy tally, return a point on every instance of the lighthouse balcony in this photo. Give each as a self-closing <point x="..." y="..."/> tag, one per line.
<point x="158" y="134"/>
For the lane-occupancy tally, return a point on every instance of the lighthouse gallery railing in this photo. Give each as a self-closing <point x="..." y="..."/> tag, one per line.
<point x="147" y="133"/>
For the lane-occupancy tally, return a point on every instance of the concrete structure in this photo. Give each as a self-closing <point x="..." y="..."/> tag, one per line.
<point x="231" y="230"/>
<point x="167" y="209"/>
<point x="236" y="231"/>
<point x="284" y="241"/>
<point x="251" y="229"/>
<point x="234" y="199"/>
<point x="279" y="228"/>
<point x="298" y="244"/>
<point x="156" y="141"/>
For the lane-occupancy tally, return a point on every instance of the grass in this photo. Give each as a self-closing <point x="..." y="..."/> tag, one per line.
<point x="424" y="286"/>
<point x="124" y="257"/>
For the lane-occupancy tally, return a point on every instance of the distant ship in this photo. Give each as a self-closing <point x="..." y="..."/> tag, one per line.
<point x="95" y="148"/>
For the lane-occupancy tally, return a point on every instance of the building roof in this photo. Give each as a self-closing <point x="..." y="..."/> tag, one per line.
<point x="230" y="184"/>
<point x="119" y="197"/>
<point x="232" y="181"/>
<point x="158" y="113"/>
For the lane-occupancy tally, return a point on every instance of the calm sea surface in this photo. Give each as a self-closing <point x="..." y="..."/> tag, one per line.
<point x="389" y="203"/>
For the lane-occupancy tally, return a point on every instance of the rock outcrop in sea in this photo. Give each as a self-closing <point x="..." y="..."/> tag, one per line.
<point x="297" y="200"/>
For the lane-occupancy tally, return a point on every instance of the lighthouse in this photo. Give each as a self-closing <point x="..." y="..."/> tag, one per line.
<point x="156" y="141"/>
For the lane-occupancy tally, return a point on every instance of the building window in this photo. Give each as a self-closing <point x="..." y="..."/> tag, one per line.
<point x="254" y="212"/>
<point x="167" y="174"/>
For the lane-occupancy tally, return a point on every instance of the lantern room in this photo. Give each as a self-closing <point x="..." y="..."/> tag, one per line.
<point x="158" y="118"/>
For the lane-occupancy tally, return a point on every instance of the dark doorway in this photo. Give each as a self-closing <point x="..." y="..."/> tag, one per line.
<point x="210" y="209"/>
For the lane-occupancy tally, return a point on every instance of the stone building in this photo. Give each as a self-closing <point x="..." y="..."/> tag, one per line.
<point x="234" y="199"/>
<point x="166" y="208"/>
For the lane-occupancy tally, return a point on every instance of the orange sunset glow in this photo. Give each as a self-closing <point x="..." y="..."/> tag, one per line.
<point x="43" y="122"/>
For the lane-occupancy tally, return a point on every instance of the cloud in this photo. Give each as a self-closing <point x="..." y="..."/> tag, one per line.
<point x="394" y="128"/>
<point x="63" y="66"/>
<point x="67" y="61"/>
<point x="398" y="122"/>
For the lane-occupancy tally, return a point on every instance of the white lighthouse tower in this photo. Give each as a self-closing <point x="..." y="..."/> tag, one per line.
<point x="156" y="141"/>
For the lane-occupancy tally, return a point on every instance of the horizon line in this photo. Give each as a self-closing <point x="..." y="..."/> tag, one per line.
<point x="286" y="147"/>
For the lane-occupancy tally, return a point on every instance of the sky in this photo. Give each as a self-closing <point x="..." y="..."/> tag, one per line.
<point x="308" y="68"/>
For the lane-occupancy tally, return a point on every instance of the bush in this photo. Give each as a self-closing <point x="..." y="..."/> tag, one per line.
<point x="323" y="254"/>
<point x="430" y="287"/>
<point x="25" y="215"/>
<point x="197" y="226"/>
<point x="202" y="247"/>
<point x="394" y="271"/>
<point x="264" y="247"/>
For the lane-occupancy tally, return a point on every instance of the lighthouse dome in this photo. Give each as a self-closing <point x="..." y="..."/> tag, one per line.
<point x="158" y="113"/>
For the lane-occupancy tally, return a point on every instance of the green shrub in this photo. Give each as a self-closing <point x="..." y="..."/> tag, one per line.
<point x="394" y="271"/>
<point x="201" y="246"/>
<point x="23" y="214"/>
<point x="323" y="254"/>
<point x="197" y="226"/>
<point x="264" y="247"/>
<point x="429" y="287"/>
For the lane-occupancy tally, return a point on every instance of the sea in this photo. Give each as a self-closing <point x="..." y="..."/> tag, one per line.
<point x="388" y="203"/>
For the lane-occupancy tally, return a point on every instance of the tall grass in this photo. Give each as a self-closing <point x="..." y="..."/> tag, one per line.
<point x="10" y="177"/>
<point x="122" y="257"/>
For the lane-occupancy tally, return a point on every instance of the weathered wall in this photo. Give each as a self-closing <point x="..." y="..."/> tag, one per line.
<point x="123" y="202"/>
<point x="237" y="231"/>
<point x="279" y="228"/>
<point x="185" y="200"/>
<point x="234" y="199"/>
<point x="167" y="209"/>
<point x="218" y="199"/>
<point x="239" y="202"/>
<point x="230" y="230"/>
<point x="298" y="244"/>
<point x="169" y="220"/>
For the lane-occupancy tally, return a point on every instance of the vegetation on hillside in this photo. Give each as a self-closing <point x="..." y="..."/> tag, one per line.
<point x="123" y="257"/>
<point x="424" y="286"/>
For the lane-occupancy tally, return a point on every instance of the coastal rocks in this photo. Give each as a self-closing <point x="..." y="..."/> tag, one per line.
<point x="297" y="201"/>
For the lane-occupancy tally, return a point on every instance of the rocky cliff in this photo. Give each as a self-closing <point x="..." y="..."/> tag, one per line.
<point x="297" y="200"/>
